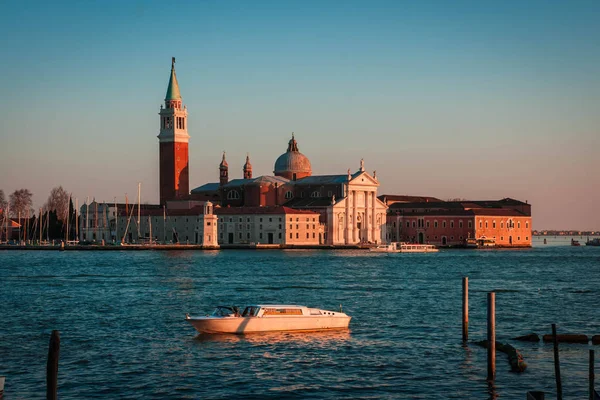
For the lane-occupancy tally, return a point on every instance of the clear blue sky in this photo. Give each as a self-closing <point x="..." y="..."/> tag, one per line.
<point x="478" y="100"/>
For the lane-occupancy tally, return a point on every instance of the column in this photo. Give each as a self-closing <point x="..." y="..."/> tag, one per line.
<point x="348" y="231"/>
<point x="354" y="215"/>
<point x="375" y="228"/>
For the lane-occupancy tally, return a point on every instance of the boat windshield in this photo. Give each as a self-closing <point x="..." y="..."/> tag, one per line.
<point x="223" y="311"/>
<point x="250" y="311"/>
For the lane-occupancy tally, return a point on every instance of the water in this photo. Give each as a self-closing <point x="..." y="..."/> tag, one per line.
<point x="123" y="334"/>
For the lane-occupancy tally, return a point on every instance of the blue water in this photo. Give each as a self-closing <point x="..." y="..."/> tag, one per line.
<point x="123" y="334"/>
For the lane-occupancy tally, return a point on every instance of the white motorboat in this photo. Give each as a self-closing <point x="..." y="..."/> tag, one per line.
<point x="269" y="318"/>
<point x="402" y="247"/>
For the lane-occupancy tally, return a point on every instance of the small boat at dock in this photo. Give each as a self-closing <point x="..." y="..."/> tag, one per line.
<point x="402" y="247"/>
<point x="575" y="242"/>
<point x="593" y="242"/>
<point x="269" y="318"/>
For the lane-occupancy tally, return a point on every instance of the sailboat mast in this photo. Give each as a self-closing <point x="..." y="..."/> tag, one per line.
<point x="150" y="224"/>
<point x="76" y="221"/>
<point x="41" y="226"/>
<point x="116" y="219"/>
<point x="139" y="202"/>
<point x="87" y="218"/>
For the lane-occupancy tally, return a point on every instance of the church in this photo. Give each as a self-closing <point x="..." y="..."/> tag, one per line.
<point x="347" y="206"/>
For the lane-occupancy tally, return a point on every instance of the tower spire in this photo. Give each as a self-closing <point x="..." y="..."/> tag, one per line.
<point x="247" y="168"/>
<point x="173" y="96"/>
<point x="223" y="172"/>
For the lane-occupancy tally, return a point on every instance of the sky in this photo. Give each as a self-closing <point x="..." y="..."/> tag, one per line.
<point x="475" y="100"/>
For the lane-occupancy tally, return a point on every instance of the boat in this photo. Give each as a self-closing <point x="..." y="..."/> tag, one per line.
<point x="593" y="242"/>
<point x="269" y="318"/>
<point x="402" y="247"/>
<point x="575" y="242"/>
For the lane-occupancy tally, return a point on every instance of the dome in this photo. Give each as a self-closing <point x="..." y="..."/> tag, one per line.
<point x="292" y="164"/>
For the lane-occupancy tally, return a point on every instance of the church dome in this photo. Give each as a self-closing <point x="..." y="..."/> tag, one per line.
<point x="292" y="164"/>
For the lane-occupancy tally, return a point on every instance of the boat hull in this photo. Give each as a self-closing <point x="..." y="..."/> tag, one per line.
<point x="240" y="325"/>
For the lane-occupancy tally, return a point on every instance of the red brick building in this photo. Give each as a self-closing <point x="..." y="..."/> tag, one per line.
<point x="505" y="223"/>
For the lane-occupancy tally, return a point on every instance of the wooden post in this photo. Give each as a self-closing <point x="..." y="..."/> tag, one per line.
<point x="52" y="367"/>
<point x="465" y="310"/>
<point x="592" y="388"/>
<point x="557" y="365"/>
<point x="491" y="336"/>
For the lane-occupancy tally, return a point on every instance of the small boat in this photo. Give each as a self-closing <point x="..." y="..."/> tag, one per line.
<point x="269" y="318"/>
<point x="575" y="242"/>
<point x="402" y="247"/>
<point x="593" y="242"/>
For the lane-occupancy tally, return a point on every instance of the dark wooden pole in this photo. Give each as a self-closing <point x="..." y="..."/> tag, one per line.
<point x="491" y="336"/>
<point x="52" y="367"/>
<point x="557" y="365"/>
<point x="592" y="375"/>
<point x="465" y="309"/>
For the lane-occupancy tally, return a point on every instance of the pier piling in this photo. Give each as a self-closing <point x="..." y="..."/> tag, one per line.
<point x="491" y="336"/>
<point x="535" y="396"/>
<point x="52" y="367"/>
<point x="557" y="365"/>
<point x="465" y="309"/>
<point x="592" y="388"/>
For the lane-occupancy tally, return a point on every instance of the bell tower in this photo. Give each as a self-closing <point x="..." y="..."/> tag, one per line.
<point x="173" y="144"/>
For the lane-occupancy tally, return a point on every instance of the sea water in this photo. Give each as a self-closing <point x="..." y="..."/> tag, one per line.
<point x="123" y="333"/>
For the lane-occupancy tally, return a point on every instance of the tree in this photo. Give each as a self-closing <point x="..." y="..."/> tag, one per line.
<point x="2" y="200"/>
<point x="58" y="201"/>
<point x="20" y="202"/>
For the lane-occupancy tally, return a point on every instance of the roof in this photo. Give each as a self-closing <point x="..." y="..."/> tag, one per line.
<point x="309" y="202"/>
<point x="207" y="187"/>
<point x="194" y="211"/>
<point x="407" y="199"/>
<point x="173" y="88"/>
<point x="271" y="179"/>
<point x="259" y="210"/>
<point x="292" y="160"/>
<point x="325" y="179"/>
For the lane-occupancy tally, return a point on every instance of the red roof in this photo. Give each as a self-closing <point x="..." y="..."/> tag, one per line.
<point x="260" y="210"/>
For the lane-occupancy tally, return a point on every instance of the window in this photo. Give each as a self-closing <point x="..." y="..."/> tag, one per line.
<point x="290" y="235"/>
<point x="526" y="226"/>
<point x="316" y="193"/>
<point x="260" y="227"/>
<point x="270" y="219"/>
<point x="307" y="235"/>
<point x="443" y="224"/>
<point x="260" y="235"/>
<point x="279" y="235"/>
<point x="307" y="226"/>
<point x="297" y="219"/>
<point x="291" y="226"/>
<point x="261" y="220"/>
<point x="240" y="235"/>
<point x="279" y="219"/>
<point x="289" y="194"/>
<point x="279" y="226"/>
<point x="297" y="235"/>
<point x="494" y="224"/>
<point x="297" y="226"/>
<point x="451" y="237"/>
<point x="407" y="224"/>
<point x="428" y="224"/>
<point x="526" y="237"/>
<point x="313" y="235"/>
<point x="470" y="224"/>
<point x="230" y="219"/>
<point x="481" y="224"/>
<point x="394" y="224"/>
<point x="435" y="225"/>
<point x="519" y="224"/>
<point x="414" y="224"/>
<point x="302" y="195"/>
<point x="501" y="224"/>
<point x="460" y="224"/>
<point x="248" y="226"/>
<point x="313" y="226"/>
<point x="451" y="224"/>
<point x="486" y="224"/>
<point x="233" y="195"/>
<point x="518" y="237"/>
<point x="313" y="220"/>
<point x="329" y="194"/>
<point x="248" y="235"/>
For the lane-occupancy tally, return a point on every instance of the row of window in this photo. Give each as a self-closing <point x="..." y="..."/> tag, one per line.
<point x="420" y="224"/>
<point x="248" y="219"/>
<point x="167" y="122"/>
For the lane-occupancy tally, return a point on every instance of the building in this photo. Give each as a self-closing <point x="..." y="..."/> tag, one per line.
<point x="506" y="222"/>
<point x="184" y="222"/>
<point x="347" y="204"/>
<point x="269" y="225"/>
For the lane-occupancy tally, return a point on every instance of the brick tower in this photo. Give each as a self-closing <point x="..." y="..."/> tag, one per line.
<point x="173" y="141"/>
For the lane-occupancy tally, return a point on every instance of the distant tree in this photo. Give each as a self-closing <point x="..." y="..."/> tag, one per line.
<point x="20" y="202"/>
<point x="2" y="200"/>
<point x="58" y="201"/>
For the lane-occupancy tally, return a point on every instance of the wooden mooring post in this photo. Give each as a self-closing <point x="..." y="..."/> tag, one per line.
<point x="491" y="336"/>
<point x="465" y="310"/>
<point x="592" y="387"/>
<point x="557" y="365"/>
<point x="52" y="367"/>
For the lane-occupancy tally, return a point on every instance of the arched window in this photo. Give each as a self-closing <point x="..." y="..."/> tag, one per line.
<point x="315" y="194"/>
<point x="233" y="195"/>
<point x="289" y="194"/>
